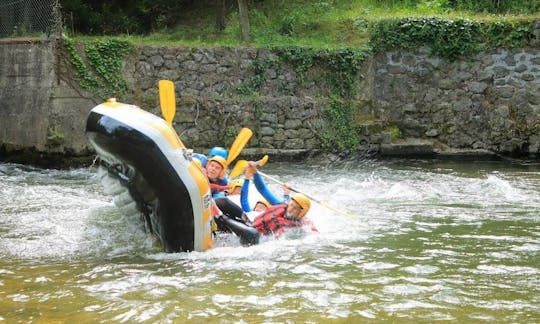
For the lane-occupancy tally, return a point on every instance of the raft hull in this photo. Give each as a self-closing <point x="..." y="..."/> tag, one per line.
<point x="146" y="156"/>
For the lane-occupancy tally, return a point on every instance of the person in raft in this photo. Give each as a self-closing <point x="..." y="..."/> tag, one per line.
<point x="275" y="220"/>
<point x="215" y="169"/>
<point x="238" y="196"/>
<point x="268" y="197"/>
<point x="216" y="150"/>
<point x="234" y="191"/>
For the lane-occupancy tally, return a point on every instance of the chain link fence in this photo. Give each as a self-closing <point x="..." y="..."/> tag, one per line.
<point x="30" y="18"/>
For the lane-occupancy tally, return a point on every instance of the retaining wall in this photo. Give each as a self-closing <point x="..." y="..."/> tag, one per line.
<point x="489" y="103"/>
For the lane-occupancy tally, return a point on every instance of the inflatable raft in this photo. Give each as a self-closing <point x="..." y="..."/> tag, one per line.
<point x="156" y="173"/>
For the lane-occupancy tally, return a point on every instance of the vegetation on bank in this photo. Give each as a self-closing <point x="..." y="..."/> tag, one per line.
<point x="330" y="23"/>
<point x="334" y="35"/>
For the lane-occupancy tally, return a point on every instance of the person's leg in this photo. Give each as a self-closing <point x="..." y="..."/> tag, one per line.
<point x="230" y="209"/>
<point x="248" y="235"/>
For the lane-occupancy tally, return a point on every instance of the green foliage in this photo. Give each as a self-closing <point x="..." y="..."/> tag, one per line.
<point x="256" y="81"/>
<point x="395" y="133"/>
<point x="54" y="137"/>
<point x="448" y="38"/>
<point x="492" y="6"/>
<point x="100" y="17"/>
<point x="101" y="73"/>
<point x="503" y="33"/>
<point x="340" y="134"/>
<point x="229" y="135"/>
<point x="341" y="65"/>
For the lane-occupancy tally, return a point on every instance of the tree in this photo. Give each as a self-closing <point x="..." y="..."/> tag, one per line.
<point x="220" y="15"/>
<point x="243" y="17"/>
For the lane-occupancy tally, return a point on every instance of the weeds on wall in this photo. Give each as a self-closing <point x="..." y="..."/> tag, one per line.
<point x="100" y="69"/>
<point x="55" y="138"/>
<point x="341" y="65"/>
<point x="447" y="38"/>
<point x="340" y="135"/>
<point x="340" y="68"/>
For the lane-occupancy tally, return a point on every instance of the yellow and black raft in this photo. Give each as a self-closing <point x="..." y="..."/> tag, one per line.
<point x="156" y="173"/>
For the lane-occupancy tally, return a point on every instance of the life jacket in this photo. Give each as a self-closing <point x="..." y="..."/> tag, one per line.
<point x="218" y="187"/>
<point x="273" y="221"/>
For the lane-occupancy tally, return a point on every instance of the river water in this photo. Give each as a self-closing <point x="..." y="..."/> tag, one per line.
<point x="414" y="241"/>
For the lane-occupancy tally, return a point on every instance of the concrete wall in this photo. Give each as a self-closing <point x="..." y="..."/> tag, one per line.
<point x="38" y="109"/>
<point x="26" y="79"/>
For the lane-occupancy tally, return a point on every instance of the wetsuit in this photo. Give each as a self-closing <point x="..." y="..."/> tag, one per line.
<point x="272" y="221"/>
<point x="218" y="187"/>
<point x="263" y="189"/>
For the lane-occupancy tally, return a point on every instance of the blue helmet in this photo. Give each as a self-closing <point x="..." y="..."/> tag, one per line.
<point x="200" y="157"/>
<point x="219" y="151"/>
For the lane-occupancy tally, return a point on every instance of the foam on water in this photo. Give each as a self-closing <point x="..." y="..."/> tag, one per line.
<point x="419" y="240"/>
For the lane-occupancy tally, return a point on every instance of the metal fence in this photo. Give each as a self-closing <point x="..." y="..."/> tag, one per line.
<point x="30" y="18"/>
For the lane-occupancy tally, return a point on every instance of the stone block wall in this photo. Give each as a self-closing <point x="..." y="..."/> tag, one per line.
<point x="213" y="88"/>
<point x="490" y="102"/>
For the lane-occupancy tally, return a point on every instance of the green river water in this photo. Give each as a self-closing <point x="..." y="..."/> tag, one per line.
<point x="423" y="241"/>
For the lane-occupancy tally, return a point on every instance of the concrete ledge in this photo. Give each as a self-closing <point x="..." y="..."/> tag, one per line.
<point x="278" y="154"/>
<point x="409" y="147"/>
<point x="467" y="154"/>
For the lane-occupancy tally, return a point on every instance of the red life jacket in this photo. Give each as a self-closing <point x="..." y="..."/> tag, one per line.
<point x="273" y="221"/>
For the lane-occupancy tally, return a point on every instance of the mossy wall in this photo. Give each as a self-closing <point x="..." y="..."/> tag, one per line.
<point x="345" y="101"/>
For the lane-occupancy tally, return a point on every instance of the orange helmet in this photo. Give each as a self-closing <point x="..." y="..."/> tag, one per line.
<point x="303" y="201"/>
<point x="264" y="202"/>
<point x="222" y="162"/>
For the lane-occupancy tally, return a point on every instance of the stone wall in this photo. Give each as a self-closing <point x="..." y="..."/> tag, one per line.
<point x="489" y="103"/>
<point x="214" y="96"/>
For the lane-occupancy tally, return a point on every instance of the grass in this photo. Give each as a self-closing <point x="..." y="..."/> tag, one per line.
<point x="317" y="24"/>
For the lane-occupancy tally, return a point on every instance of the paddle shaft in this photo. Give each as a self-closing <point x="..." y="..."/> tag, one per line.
<point x="322" y="203"/>
<point x="291" y="188"/>
<point x="241" y="165"/>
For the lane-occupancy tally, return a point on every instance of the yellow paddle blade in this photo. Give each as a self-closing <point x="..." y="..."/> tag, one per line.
<point x="238" y="169"/>
<point x="262" y="161"/>
<point x="239" y="142"/>
<point x="167" y="100"/>
<point x="241" y="165"/>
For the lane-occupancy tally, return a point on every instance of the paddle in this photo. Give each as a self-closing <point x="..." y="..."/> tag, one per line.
<point x="238" y="144"/>
<point x="241" y="165"/>
<point x="167" y="100"/>
<point x="320" y="202"/>
<point x="238" y="169"/>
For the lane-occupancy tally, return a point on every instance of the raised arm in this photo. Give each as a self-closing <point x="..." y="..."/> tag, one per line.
<point x="265" y="191"/>
<point x="244" y="196"/>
